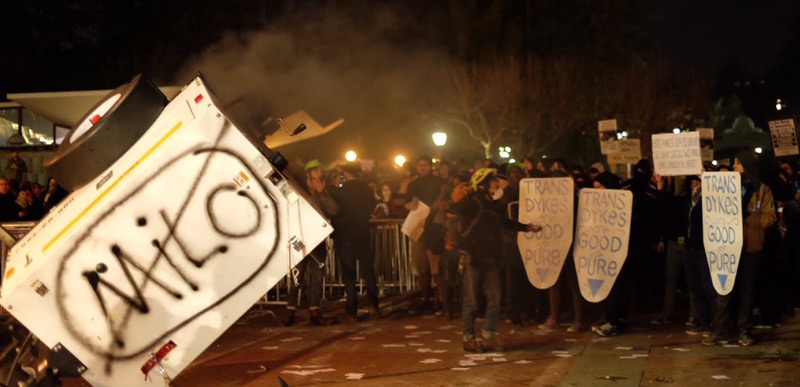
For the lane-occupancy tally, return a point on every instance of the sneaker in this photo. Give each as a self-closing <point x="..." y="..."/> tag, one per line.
<point x="746" y="339"/>
<point x="549" y="325"/>
<point x="576" y="327"/>
<point x="491" y="345"/>
<point x="697" y="330"/>
<point x="607" y="330"/>
<point x="473" y="346"/>
<point x="660" y="320"/>
<point x="715" y="339"/>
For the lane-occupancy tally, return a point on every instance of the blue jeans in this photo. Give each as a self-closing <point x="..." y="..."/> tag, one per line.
<point x="474" y="280"/>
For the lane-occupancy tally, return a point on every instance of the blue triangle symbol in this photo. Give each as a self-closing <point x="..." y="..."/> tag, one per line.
<point x="542" y="273"/>
<point x="595" y="285"/>
<point x="722" y="279"/>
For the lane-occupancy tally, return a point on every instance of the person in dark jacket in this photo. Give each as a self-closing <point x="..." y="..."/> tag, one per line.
<point x="698" y="277"/>
<point x="352" y="239"/>
<point x="482" y="243"/>
<point x="311" y="270"/>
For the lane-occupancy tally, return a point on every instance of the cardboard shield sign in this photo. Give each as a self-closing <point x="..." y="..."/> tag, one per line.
<point x="723" y="235"/>
<point x="548" y="202"/>
<point x="601" y="239"/>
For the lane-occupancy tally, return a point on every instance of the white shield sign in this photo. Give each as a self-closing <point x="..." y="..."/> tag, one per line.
<point x="722" y="227"/>
<point x="601" y="239"/>
<point x="548" y="202"/>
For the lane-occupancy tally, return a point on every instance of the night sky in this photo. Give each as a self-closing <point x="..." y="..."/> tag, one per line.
<point x="371" y="63"/>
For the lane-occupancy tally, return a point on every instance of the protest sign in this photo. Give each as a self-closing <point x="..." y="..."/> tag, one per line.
<point x="722" y="227"/>
<point x="628" y="152"/>
<point x="676" y="154"/>
<point x="601" y="239"/>
<point x="550" y="203"/>
<point x="414" y="224"/>
<point x="608" y="136"/>
<point x="706" y="143"/>
<point x="784" y="137"/>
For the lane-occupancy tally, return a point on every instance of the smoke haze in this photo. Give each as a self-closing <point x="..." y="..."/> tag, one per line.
<point x="351" y="64"/>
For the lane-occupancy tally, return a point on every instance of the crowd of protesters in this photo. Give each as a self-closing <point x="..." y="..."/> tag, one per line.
<point x="469" y="243"/>
<point x="23" y="200"/>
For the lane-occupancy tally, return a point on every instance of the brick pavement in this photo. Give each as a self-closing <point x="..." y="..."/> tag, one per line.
<point x="425" y="350"/>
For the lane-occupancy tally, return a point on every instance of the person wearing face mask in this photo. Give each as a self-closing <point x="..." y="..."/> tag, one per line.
<point x="481" y="241"/>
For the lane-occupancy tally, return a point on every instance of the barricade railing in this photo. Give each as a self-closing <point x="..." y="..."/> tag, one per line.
<point x="391" y="252"/>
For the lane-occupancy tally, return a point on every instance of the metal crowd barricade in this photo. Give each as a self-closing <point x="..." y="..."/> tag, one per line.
<point x="392" y="253"/>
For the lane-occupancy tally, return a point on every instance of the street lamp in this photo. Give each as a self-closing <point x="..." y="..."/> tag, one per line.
<point x="439" y="138"/>
<point x="350" y="156"/>
<point x="778" y="104"/>
<point x="676" y="130"/>
<point x="399" y="160"/>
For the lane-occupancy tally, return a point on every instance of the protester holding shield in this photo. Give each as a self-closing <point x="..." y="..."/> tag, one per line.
<point x="758" y="214"/>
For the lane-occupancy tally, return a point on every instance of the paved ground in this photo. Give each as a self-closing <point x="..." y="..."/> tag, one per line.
<point x="407" y="349"/>
<point x="403" y="349"/>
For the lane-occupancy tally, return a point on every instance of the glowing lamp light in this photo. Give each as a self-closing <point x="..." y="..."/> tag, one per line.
<point x="350" y="156"/>
<point x="512" y="161"/>
<point x="714" y="162"/>
<point x="399" y="160"/>
<point x="759" y="150"/>
<point x="439" y="138"/>
<point x="676" y="130"/>
<point x="778" y="104"/>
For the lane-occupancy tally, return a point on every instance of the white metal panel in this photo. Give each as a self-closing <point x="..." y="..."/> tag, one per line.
<point x="173" y="243"/>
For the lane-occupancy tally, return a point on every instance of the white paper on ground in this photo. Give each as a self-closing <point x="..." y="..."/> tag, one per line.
<point x="719" y="377"/>
<point x="353" y="376"/>
<point x="430" y="361"/>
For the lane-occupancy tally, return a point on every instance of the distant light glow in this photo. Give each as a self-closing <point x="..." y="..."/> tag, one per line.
<point x="399" y="160"/>
<point x="778" y="104"/>
<point x="676" y="130"/>
<point x="759" y="150"/>
<point x="439" y="138"/>
<point x="504" y="154"/>
<point x="512" y="161"/>
<point x="350" y="156"/>
<point x="714" y="162"/>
